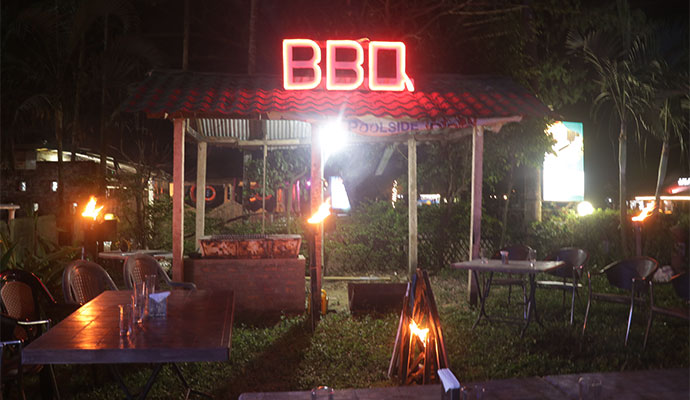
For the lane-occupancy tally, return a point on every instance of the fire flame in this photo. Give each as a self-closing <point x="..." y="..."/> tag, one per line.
<point x="421" y="333"/>
<point x="321" y="214"/>
<point x="646" y="212"/>
<point x="91" y="211"/>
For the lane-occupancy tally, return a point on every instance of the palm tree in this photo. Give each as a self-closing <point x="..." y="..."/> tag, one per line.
<point x="666" y="119"/>
<point x="619" y="71"/>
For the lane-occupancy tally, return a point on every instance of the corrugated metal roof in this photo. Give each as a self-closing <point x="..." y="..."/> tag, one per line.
<point x="241" y="129"/>
<point x="202" y="95"/>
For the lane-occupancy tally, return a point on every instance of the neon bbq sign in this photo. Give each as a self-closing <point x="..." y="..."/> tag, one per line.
<point x="344" y="65"/>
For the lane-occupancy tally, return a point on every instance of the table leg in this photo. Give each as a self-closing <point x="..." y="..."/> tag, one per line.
<point x="149" y="383"/>
<point x="483" y="294"/>
<point x="178" y="372"/>
<point x="531" y="305"/>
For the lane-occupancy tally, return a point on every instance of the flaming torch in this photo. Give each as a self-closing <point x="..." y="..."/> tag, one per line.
<point x="637" y="225"/>
<point x="323" y="211"/>
<point x="97" y="228"/>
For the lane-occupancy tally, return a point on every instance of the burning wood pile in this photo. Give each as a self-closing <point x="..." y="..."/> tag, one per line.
<point x="419" y="351"/>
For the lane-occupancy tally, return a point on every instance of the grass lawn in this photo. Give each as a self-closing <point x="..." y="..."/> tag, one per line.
<point x="349" y="352"/>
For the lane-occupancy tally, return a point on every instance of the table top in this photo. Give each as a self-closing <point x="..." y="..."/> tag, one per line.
<point x="198" y="327"/>
<point x="121" y="255"/>
<point x="630" y="385"/>
<point x="513" y="266"/>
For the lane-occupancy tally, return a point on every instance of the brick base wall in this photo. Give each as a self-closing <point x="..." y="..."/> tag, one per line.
<point x="262" y="287"/>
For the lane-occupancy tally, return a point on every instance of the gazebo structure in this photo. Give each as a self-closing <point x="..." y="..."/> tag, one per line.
<point x="257" y="111"/>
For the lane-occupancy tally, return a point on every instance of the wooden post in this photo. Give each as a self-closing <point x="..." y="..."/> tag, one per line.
<point x="476" y="214"/>
<point x="316" y="200"/>
<point x="412" y="206"/>
<point x="200" y="191"/>
<point x="178" y="199"/>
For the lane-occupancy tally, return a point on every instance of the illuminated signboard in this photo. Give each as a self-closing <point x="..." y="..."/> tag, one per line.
<point x="564" y="173"/>
<point x="302" y="68"/>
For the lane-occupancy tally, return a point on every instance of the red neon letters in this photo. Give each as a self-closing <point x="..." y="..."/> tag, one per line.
<point x="399" y="82"/>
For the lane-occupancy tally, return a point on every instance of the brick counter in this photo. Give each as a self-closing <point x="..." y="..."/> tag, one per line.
<point x="262" y="287"/>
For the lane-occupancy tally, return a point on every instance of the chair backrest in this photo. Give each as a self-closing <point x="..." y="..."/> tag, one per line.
<point x="681" y="284"/>
<point x="137" y="266"/>
<point x="621" y="273"/>
<point x="22" y="294"/>
<point x="515" y="252"/>
<point x="574" y="258"/>
<point x="83" y="280"/>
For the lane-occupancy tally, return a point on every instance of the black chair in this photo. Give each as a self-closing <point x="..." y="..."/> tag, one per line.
<point x="632" y="275"/>
<point x="83" y="280"/>
<point x="23" y="300"/>
<point x="137" y="266"/>
<point x="515" y="252"/>
<point x="570" y="274"/>
<point x="681" y="285"/>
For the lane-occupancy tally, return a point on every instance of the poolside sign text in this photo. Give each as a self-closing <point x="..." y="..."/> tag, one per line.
<point x="344" y="65"/>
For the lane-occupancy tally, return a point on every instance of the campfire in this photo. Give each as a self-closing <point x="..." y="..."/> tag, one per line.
<point x="419" y="350"/>
<point x="315" y="220"/>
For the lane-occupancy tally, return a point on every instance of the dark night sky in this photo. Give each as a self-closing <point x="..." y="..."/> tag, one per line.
<point x="219" y="38"/>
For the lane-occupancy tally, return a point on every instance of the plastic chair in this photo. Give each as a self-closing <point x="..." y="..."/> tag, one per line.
<point x="681" y="285"/>
<point x="570" y="273"/>
<point x="138" y="265"/>
<point x="632" y="275"/>
<point x="515" y="252"/>
<point x="23" y="300"/>
<point x="83" y="280"/>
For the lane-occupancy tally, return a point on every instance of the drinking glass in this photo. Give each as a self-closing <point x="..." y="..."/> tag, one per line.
<point x="322" y="392"/>
<point x="139" y="301"/>
<point x="125" y="319"/>
<point x="589" y="388"/>
<point x="532" y="257"/>
<point x="504" y="256"/>
<point x="475" y="392"/>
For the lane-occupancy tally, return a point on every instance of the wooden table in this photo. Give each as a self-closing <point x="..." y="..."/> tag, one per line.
<point x="198" y="327"/>
<point x="513" y="267"/>
<point x="632" y="385"/>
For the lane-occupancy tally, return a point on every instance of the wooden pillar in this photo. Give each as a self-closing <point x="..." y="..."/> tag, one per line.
<point x="476" y="213"/>
<point x="178" y="199"/>
<point x="201" y="148"/>
<point x="317" y="198"/>
<point x="412" y="206"/>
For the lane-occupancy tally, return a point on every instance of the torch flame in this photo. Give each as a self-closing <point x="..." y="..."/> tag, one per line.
<point x="421" y="333"/>
<point x="321" y="214"/>
<point x="646" y="212"/>
<point x="91" y="211"/>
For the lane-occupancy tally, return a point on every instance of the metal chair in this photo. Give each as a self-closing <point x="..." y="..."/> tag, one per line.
<point x="570" y="273"/>
<point x="23" y="300"/>
<point x="515" y="252"/>
<point x="137" y="266"/>
<point x="83" y="280"/>
<point x="681" y="285"/>
<point x="632" y="275"/>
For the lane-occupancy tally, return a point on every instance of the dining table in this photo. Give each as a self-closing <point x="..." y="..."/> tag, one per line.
<point x="196" y="327"/>
<point x="667" y="384"/>
<point x="520" y="267"/>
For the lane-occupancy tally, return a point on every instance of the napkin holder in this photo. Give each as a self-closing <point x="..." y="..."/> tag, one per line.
<point x="158" y="304"/>
<point x="449" y="385"/>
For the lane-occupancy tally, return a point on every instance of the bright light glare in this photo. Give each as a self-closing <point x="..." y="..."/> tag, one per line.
<point x="585" y="208"/>
<point x="333" y="139"/>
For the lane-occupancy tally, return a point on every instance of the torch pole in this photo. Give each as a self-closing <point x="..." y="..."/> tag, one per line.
<point x="313" y="272"/>
<point x="637" y="228"/>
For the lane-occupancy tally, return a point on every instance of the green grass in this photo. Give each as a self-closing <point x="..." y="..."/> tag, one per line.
<point x="348" y="351"/>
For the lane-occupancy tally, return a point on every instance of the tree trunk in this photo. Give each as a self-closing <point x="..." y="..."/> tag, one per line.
<point x="506" y="206"/>
<point x="622" y="195"/>
<point x="75" y="139"/>
<point x="104" y="136"/>
<point x="661" y="176"/>
<point x="59" y="133"/>
<point x="251" y="56"/>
